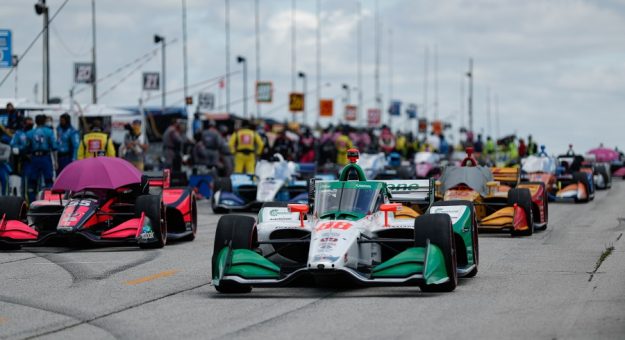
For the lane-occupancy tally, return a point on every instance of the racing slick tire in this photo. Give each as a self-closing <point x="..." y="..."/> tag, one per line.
<point x="603" y="171"/>
<point x="583" y="178"/>
<point x="13" y="208"/>
<point x="220" y="184"/>
<point x="535" y="212"/>
<point x="437" y="228"/>
<point x="523" y="198"/>
<point x="153" y="208"/>
<point x="239" y="232"/>
<point x="474" y="232"/>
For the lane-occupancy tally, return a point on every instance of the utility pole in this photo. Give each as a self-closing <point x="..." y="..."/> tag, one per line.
<point x="161" y="39"/>
<point x="94" y="86"/>
<point x="359" y="118"/>
<point x="184" y="49"/>
<point x="497" y="116"/>
<point x="318" y="50"/>
<point x="470" y="75"/>
<point x="227" y="56"/>
<point x="257" y="30"/>
<point x="305" y="90"/>
<point x="293" y="40"/>
<point x="15" y="62"/>
<point x="489" y="130"/>
<point x="377" y="39"/>
<point x="42" y="9"/>
<point x="390" y="73"/>
<point x="241" y="60"/>
<point x="425" y="82"/>
<point x="436" y="82"/>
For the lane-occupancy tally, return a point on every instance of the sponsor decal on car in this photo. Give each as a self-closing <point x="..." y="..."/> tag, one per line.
<point x="146" y="233"/>
<point x="334" y="225"/>
<point x="325" y="258"/>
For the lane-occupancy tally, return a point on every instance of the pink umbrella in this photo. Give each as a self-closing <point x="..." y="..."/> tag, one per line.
<point x="97" y="173"/>
<point x="604" y="154"/>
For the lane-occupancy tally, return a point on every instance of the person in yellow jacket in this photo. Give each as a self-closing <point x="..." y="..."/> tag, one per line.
<point x="96" y="143"/>
<point x="245" y="144"/>
<point x="343" y="143"/>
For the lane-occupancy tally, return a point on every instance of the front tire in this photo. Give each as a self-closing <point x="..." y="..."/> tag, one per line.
<point x="238" y="232"/>
<point x="523" y="198"/>
<point x="152" y="206"/>
<point x="437" y="228"/>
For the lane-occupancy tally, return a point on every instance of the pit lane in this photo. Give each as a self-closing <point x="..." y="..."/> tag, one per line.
<point x="544" y="286"/>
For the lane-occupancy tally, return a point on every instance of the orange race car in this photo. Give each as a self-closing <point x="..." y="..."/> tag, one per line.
<point x="502" y="203"/>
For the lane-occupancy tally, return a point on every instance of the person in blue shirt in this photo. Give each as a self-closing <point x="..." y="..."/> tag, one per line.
<point x="41" y="143"/>
<point x="68" y="142"/>
<point x="19" y="147"/>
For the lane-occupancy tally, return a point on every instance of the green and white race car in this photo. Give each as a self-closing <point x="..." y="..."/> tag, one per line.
<point x="378" y="233"/>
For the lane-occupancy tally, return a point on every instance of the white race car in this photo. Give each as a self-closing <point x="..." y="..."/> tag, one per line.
<point x="354" y="231"/>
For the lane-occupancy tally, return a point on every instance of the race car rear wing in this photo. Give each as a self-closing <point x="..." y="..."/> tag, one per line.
<point x="507" y="176"/>
<point x="163" y="180"/>
<point x="419" y="191"/>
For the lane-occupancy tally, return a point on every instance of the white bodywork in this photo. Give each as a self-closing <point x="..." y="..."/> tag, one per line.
<point x="538" y="164"/>
<point x="272" y="175"/>
<point x="372" y="163"/>
<point x="334" y="243"/>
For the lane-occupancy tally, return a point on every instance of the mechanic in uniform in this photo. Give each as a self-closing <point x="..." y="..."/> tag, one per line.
<point x="532" y="147"/>
<point x="174" y="140"/>
<point x="41" y="143"/>
<point x="96" y="143"/>
<point x="343" y="143"/>
<point x="68" y="142"/>
<point x="19" y="147"/>
<point x="245" y="144"/>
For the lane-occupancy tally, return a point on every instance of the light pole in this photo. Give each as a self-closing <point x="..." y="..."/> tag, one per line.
<point x="302" y="75"/>
<point x="42" y="9"/>
<point x="161" y="39"/>
<point x="347" y="98"/>
<point x="94" y="89"/>
<point x="470" y="76"/>
<point x="241" y="60"/>
<point x="184" y="49"/>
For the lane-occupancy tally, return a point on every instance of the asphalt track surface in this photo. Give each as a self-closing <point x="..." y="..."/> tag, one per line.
<point x="543" y="287"/>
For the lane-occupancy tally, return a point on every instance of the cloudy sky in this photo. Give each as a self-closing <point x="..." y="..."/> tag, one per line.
<point x="557" y="67"/>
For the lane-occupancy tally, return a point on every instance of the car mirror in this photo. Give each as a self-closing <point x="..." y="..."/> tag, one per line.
<point x="389" y="207"/>
<point x="302" y="209"/>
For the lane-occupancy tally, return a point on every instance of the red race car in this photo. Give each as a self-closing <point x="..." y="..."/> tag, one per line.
<point x="101" y="200"/>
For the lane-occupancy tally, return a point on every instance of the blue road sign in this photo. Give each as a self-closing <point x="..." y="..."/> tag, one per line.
<point x="395" y="108"/>
<point x="6" y="53"/>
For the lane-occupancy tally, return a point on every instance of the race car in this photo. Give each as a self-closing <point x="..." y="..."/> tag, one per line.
<point x="274" y="181"/>
<point x="427" y="165"/>
<point x="380" y="166"/>
<point x="360" y="232"/>
<point x="101" y="200"/>
<point x="562" y="183"/>
<point x="501" y="202"/>
<point x="601" y="174"/>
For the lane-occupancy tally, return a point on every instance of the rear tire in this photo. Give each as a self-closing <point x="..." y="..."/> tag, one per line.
<point x="152" y="206"/>
<point x="13" y="207"/>
<point x="239" y="232"/>
<point x="193" y="220"/>
<point x="603" y="171"/>
<point x="583" y="178"/>
<point x="545" y="205"/>
<point x="523" y="198"/>
<point x="474" y="231"/>
<point x="437" y="228"/>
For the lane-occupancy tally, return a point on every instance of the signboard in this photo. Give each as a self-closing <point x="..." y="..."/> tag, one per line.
<point x="437" y="127"/>
<point x="151" y="81"/>
<point x="296" y="102"/>
<point x="206" y="101"/>
<point x="411" y="111"/>
<point x="351" y="112"/>
<point x="373" y="117"/>
<point x="264" y="92"/>
<point x="326" y="107"/>
<point x="423" y="125"/>
<point x="395" y="108"/>
<point x="6" y="49"/>
<point x="84" y="73"/>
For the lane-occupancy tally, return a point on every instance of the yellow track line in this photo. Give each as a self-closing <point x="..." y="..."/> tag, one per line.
<point x="151" y="277"/>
